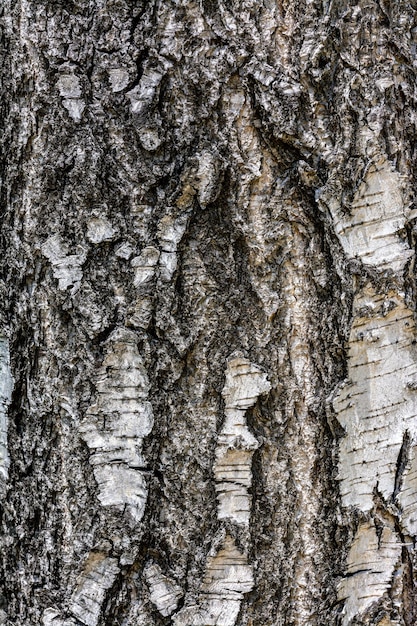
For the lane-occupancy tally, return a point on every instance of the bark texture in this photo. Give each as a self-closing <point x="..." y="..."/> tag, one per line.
<point x="208" y="374"/>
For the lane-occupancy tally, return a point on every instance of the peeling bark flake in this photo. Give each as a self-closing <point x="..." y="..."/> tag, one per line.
<point x="6" y="387"/>
<point x="117" y="423"/>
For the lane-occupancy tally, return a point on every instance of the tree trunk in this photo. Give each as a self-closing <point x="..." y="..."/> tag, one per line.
<point x="208" y="390"/>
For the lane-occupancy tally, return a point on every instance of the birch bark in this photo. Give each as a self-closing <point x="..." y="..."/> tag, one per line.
<point x="208" y="364"/>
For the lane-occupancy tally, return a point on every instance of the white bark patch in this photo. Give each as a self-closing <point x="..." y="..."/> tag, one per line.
<point x="6" y="388"/>
<point x="378" y="401"/>
<point x="69" y="86"/>
<point x="52" y="617"/>
<point x="170" y="232"/>
<point x="119" y="79"/>
<point x="66" y="267"/>
<point x="150" y="138"/>
<point x="245" y="382"/>
<point x="145" y="265"/>
<point x="70" y="90"/>
<point x="374" y="230"/>
<point x="142" y="95"/>
<point x="370" y="566"/>
<point x="124" y="250"/>
<point x="75" y="108"/>
<point x="117" y="424"/>
<point x="228" y="577"/>
<point x="97" y="578"/>
<point x="100" y="229"/>
<point x="228" y="573"/>
<point x="165" y="593"/>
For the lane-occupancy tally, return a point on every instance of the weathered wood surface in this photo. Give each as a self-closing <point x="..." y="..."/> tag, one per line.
<point x="208" y="368"/>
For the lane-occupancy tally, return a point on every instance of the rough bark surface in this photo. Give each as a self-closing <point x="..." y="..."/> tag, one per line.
<point x="208" y="373"/>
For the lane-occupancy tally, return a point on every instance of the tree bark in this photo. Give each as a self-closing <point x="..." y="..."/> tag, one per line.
<point x="208" y="368"/>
